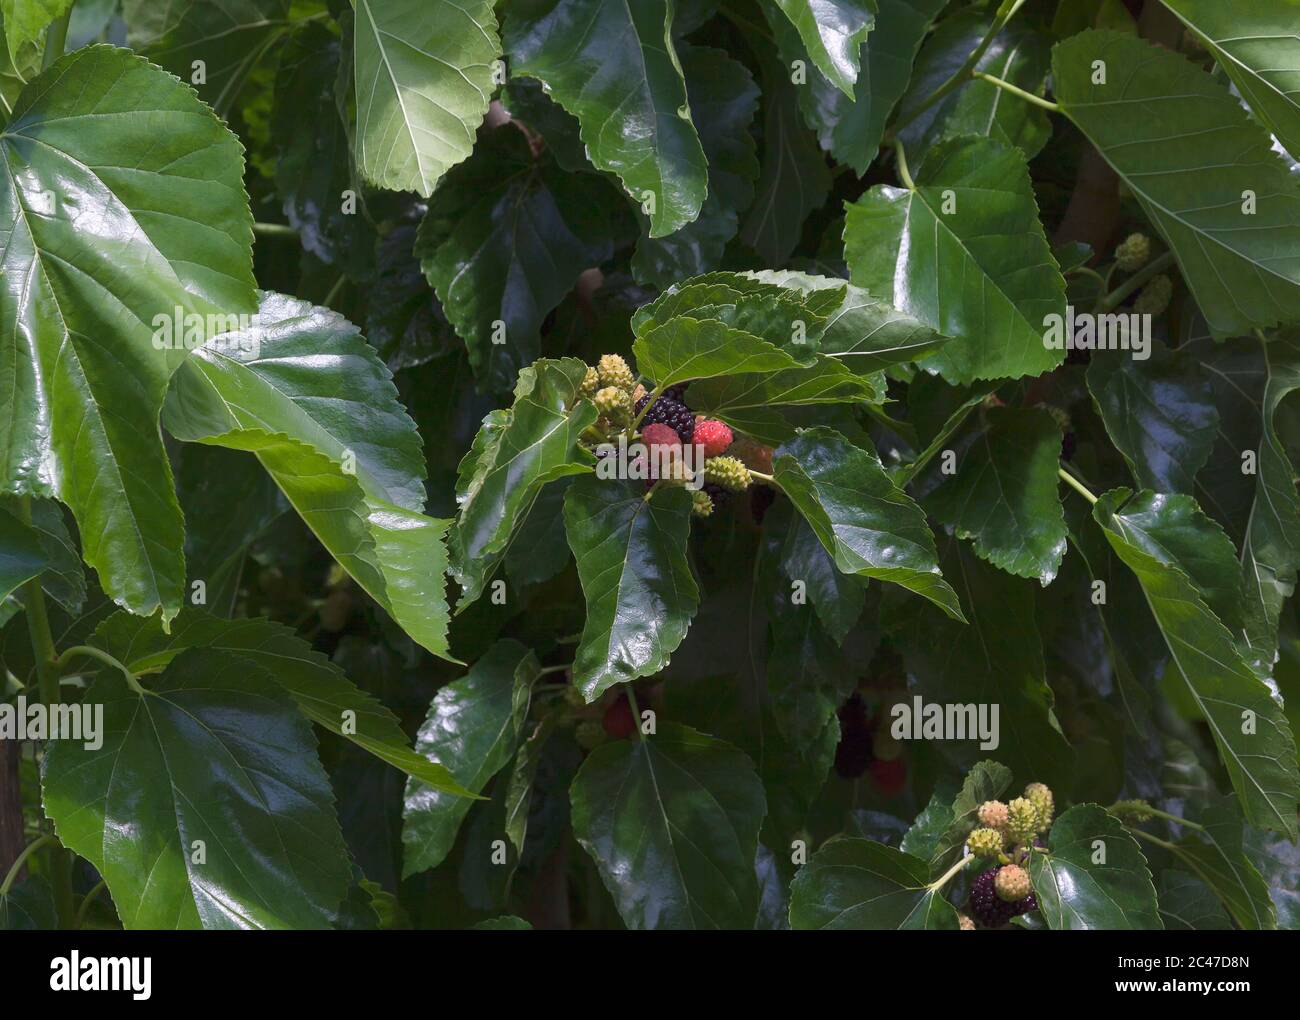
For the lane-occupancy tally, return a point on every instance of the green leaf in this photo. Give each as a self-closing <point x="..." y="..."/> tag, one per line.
<point x="109" y="221"/>
<point x="1093" y="875"/>
<point x="996" y="659"/>
<point x="25" y="22"/>
<point x="505" y="239"/>
<point x="723" y="100"/>
<point x="672" y="823"/>
<point x="869" y="526"/>
<point x="1004" y="493"/>
<point x="861" y="885"/>
<point x="986" y="780"/>
<point x="794" y="179"/>
<point x="1252" y="734"/>
<point x="63" y="579"/>
<point x="228" y="37"/>
<point x="540" y="550"/>
<point x="686" y="348"/>
<point x="424" y="76"/>
<point x="832" y="31"/>
<point x="319" y="688"/>
<point x="1256" y="45"/>
<point x="965" y="253"/>
<point x="1188" y="151"/>
<point x="837" y="598"/>
<point x="1216" y="854"/>
<point x="29" y="906"/>
<point x="615" y="68"/>
<point x="640" y="593"/>
<point x="1159" y="413"/>
<point x="21" y="555"/>
<point x="515" y="453"/>
<point x="211" y="760"/>
<point x="474" y="726"/>
<point x="1188" y="904"/>
<point x="507" y="922"/>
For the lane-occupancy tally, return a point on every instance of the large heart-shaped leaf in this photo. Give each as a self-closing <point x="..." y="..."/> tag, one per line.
<point x="319" y="688"/>
<point x="474" y="726"/>
<point x="1202" y="169"/>
<point x="615" y="68"/>
<point x="205" y="806"/>
<point x="424" y="76"/>
<point x="1252" y="735"/>
<point x="1004" y="493"/>
<point x="1093" y="875"/>
<point x="1256" y="45"/>
<point x="964" y="252"/>
<point x="640" y="593"/>
<point x="869" y="526"/>
<point x="866" y="886"/>
<point x="122" y="201"/>
<point x="672" y="823"/>
<point x="832" y="31"/>
<point x="1159" y="413"/>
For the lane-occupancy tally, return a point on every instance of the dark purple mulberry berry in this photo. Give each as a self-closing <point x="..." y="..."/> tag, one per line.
<point x="989" y="908"/>
<point x="670" y="412"/>
<point x="719" y="495"/>
<point x="853" y="754"/>
<point x="760" y="499"/>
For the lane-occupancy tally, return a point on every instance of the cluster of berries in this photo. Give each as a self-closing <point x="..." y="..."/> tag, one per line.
<point x="867" y="747"/>
<point x="1007" y="835"/>
<point x="1132" y="254"/>
<point x="667" y="425"/>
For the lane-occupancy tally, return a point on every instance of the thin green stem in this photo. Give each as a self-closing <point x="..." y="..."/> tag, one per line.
<point x="636" y="712"/>
<point x="56" y="37"/>
<point x="1102" y="285"/>
<point x="91" y="652"/>
<point x="947" y="876"/>
<point x="1076" y="485"/>
<point x="548" y="670"/>
<point x="18" y="863"/>
<point x="1157" y="813"/>
<point x="962" y="75"/>
<point x="86" y="901"/>
<point x="1156" y="840"/>
<point x="1015" y="90"/>
<point x="282" y="230"/>
<point x="335" y="291"/>
<point x="903" y="174"/>
<point x="1136" y="282"/>
<point x="764" y="478"/>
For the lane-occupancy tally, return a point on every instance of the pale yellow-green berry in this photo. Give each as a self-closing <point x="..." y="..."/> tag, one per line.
<point x="1155" y="296"/>
<point x="985" y="842"/>
<point x="1138" y="810"/>
<point x="1133" y="252"/>
<point x="1011" y="883"/>
<point x="701" y="504"/>
<point x="727" y="472"/>
<point x="1022" y="820"/>
<point x="590" y="734"/>
<point x="992" y="814"/>
<point x="612" y="402"/>
<point x="1041" y="797"/>
<point x="614" y="372"/>
<point x="965" y="923"/>
<point x="590" y="383"/>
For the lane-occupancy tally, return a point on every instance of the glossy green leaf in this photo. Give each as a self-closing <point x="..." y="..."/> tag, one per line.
<point x="686" y="348"/>
<point x="1217" y="855"/>
<point x="832" y="31"/>
<point x="1188" y="904"/>
<point x="1249" y="729"/>
<point x="870" y="527"/>
<point x="1093" y="875"/>
<point x="1004" y="494"/>
<point x="21" y="555"/>
<point x="515" y="453"/>
<point x="636" y="580"/>
<point x="505" y="239"/>
<point x="474" y="726"/>
<point x="64" y="578"/>
<point x="987" y="780"/>
<point x="1256" y="45"/>
<point x="1190" y="154"/>
<point x="965" y="253"/>
<point x="29" y="906"/>
<point x="837" y="598"/>
<point x="205" y="807"/>
<point x="320" y="689"/>
<point x="424" y="76"/>
<point x="672" y="823"/>
<point x="615" y="68"/>
<point x="1159" y="413"/>
<point x="123" y="202"/>
<point x="211" y="44"/>
<point x="25" y="21"/>
<point x="862" y="885"/>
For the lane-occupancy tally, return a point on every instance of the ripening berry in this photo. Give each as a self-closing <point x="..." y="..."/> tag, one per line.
<point x="714" y="436"/>
<point x="1041" y="797"/>
<point x="1012" y="883"/>
<point x="590" y="383"/>
<point x="612" y="402"/>
<point x="992" y="814"/>
<point x="965" y="923"/>
<point x="1133" y="252"/>
<point x="619" y="722"/>
<point x="701" y="504"/>
<point x="660" y="435"/>
<point x="985" y="842"/>
<point x="990" y="910"/>
<point x="1155" y="296"/>
<point x="727" y="472"/>
<point x="1022" y="820"/>
<point x="614" y="372"/>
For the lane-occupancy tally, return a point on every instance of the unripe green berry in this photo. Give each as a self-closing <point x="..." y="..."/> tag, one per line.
<point x="727" y="472"/>
<point x="701" y="504"/>
<point x="992" y="814"/>
<point x="613" y="371"/>
<point x="612" y="401"/>
<point x="1133" y="252"/>
<point x="985" y="842"/>
<point x="1155" y="296"/>
<point x="1138" y="810"/>
<point x="1022" y="820"/>
<point x="1041" y="797"/>
<point x="1012" y="883"/>
<point x="965" y="923"/>
<point x="590" y="383"/>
